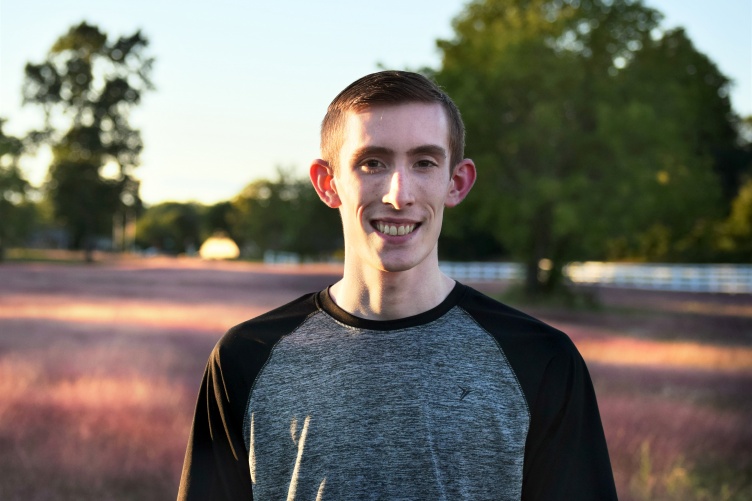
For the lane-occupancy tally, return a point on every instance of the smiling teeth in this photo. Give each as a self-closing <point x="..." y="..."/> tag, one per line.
<point x="389" y="229"/>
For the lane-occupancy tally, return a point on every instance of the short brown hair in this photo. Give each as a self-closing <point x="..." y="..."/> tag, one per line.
<point x="388" y="88"/>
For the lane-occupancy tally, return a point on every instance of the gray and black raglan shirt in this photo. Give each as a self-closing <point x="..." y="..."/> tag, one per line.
<point x="470" y="400"/>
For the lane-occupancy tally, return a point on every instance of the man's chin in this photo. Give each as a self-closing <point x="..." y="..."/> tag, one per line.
<point x="397" y="265"/>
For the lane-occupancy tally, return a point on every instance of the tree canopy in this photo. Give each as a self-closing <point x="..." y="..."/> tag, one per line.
<point x="15" y="211"/>
<point x="591" y="135"/>
<point x="87" y="86"/>
<point x="172" y="227"/>
<point x="284" y="215"/>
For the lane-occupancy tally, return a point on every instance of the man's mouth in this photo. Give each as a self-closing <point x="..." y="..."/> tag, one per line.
<point x="394" y="229"/>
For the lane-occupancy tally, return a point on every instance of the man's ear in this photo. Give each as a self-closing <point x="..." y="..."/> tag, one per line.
<point x="322" y="178"/>
<point x="463" y="178"/>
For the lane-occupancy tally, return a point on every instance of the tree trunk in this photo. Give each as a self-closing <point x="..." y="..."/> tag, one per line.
<point x="88" y="249"/>
<point x="532" y="285"/>
<point x="540" y="249"/>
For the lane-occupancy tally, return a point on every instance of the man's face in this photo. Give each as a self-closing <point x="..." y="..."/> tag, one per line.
<point x="392" y="182"/>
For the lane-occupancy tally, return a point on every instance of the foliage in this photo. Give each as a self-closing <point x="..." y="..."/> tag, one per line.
<point x="681" y="481"/>
<point x="172" y="227"/>
<point x="736" y="231"/>
<point x="584" y="147"/>
<point x="283" y="215"/>
<point x="217" y="219"/>
<point x="16" y="212"/>
<point x="86" y="86"/>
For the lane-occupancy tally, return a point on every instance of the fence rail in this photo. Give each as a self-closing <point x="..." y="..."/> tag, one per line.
<point x="726" y="278"/>
<point x="482" y="272"/>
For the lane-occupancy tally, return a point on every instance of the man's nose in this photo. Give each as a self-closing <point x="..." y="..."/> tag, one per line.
<point x="399" y="194"/>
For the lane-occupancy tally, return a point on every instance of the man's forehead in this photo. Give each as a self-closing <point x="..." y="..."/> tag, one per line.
<point x="413" y="118"/>
<point x="403" y="109"/>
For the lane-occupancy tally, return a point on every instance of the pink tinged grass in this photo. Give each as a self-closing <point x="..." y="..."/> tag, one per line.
<point x="621" y="350"/>
<point x="99" y="369"/>
<point x="91" y="428"/>
<point x="653" y="439"/>
<point x="135" y="313"/>
<point x="97" y="384"/>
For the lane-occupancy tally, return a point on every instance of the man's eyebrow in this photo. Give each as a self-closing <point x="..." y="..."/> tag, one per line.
<point x="428" y="149"/>
<point x="424" y="149"/>
<point x="371" y="150"/>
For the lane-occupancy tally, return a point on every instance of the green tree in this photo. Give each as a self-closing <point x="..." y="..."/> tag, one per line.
<point x="86" y="86"/>
<point x="688" y="96"/>
<point x="570" y="156"/>
<point x="171" y="227"/>
<point x="736" y="231"/>
<point x="284" y="215"/>
<point x="217" y="219"/>
<point x="16" y="212"/>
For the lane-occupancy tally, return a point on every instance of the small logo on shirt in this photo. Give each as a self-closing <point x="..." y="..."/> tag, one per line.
<point x="465" y="392"/>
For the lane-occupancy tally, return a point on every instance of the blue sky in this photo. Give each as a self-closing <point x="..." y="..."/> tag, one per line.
<point x="243" y="85"/>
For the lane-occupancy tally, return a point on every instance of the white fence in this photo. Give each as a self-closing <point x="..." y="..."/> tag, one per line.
<point x="673" y="277"/>
<point x="669" y="277"/>
<point x="482" y="272"/>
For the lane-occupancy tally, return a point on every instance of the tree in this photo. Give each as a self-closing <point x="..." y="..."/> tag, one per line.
<point x="86" y="87"/>
<point x="217" y="219"/>
<point x="171" y="227"/>
<point x="284" y="215"/>
<point x="689" y="97"/>
<point x="15" y="211"/>
<point x="736" y="231"/>
<point x="570" y="155"/>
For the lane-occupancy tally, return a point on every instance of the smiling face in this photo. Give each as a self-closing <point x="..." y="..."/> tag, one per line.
<point x="392" y="183"/>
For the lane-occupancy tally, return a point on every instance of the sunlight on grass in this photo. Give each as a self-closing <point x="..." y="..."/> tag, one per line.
<point x="16" y="378"/>
<point x="681" y="481"/>
<point x="145" y="313"/>
<point x="113" y="393"/>
<point x="708" y="308"/>
<point x="28" y="382"/>
<point x="84" y="436"/>
<point x="629" y="351"/>
<point x="99" y="371"/>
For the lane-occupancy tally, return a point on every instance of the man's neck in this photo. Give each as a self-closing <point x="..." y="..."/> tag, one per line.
<point x="380" y="295"/>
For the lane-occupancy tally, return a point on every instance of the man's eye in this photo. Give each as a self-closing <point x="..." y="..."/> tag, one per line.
<point x="425" y="164"/>
<point x="371" y="165"/>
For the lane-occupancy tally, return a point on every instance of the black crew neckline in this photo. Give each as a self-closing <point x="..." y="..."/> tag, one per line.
<point x="327" y="304"/>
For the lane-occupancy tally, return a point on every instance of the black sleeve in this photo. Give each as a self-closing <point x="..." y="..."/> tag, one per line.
<point x="216" y="461"/>
<point x="566" y="456"/>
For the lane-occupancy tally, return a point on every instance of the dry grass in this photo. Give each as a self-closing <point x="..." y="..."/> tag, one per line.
<point x="640" y="352"/>
<point x="100" y="365"/>
<point x="82" y="438"/>
<point x="136" y="313"/>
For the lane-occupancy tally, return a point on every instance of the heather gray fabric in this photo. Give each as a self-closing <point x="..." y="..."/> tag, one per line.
<point x="427" y="412"/>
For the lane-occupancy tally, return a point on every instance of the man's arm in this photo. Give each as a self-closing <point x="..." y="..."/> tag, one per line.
<point x="216" y="460"/>
<point x="566" y="455"/>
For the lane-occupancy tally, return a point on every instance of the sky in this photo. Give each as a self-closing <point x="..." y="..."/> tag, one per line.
<point x="242" y="86"/>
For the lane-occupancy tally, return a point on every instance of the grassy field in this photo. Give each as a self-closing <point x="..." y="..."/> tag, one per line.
<point x="100" y="366"/>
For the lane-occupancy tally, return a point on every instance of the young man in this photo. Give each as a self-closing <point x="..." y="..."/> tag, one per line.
<point x="396" y="382"/>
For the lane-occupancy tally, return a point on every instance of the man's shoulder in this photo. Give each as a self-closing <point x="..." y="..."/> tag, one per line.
<point x="540" y="355"/>
<point x="515" y="330"/>
<point x="266" y="329"/>
<point x="503" y="320"/>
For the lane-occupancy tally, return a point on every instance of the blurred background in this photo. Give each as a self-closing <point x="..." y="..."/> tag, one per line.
<point x="613" y="140"/>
